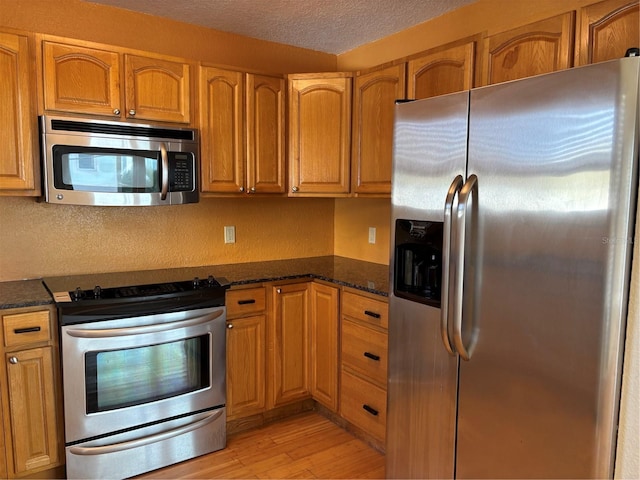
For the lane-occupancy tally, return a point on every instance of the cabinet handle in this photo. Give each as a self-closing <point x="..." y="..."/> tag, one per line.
<point x="278" y="290"/>
<point x="371" y="410"/>
<point x="246" y="302"/>
<point x="13" y="360"/>
<point x="132" y="112"/>
<point x="229" y="326"/>
<point x="294" y="189"/>
<point x="116" y="111"/>
<point x="372" y="314"/>
<point x="372" y="356"/>
<point x="26" y="330"/>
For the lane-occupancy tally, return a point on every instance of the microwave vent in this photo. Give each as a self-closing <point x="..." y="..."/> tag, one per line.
<point x="124" y="129"/>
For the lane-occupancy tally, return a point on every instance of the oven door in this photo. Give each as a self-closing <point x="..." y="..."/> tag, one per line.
<point x="134" y="372"/>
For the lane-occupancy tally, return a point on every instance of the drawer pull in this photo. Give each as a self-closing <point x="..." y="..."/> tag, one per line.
<point x="372" y="314"/>
<point x="372" y="356"/>
<point x="246" y="302"/>
<point x="371" y="410"/>
<point x="26" y="330"/>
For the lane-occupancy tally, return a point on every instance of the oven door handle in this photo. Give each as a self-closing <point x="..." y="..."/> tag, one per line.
<point x="158" y="327"/>
<point x="118" y="447"/>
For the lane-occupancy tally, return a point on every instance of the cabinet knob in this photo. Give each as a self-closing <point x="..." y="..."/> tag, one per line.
<point x="294" y="189"/>
<point x="252" y="190"/>
<point x="13" y="360"/>
<point x="229" y="326"/>
<point x="241" y="189"/>
<point x="116" y="111"/>
<point x="132" y="112"/>
<point x="278" y="290"/>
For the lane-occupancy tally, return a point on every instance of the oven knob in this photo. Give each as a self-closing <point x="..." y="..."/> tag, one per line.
<point x="77" y="294"/>
<point x="211" y="281"/>
<point x="196" y="282"/>
<point x="97" y="291"/>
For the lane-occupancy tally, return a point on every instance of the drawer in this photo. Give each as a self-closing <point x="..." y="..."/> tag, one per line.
<point x="366" y="309"/>
<point x="364" y="405"/>
<point x="245" y="301"/>
<point x="364" y="350"/>
<point x="25" y="328"/>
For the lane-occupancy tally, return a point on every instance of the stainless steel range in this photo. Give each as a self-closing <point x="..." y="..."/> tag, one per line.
<point x="143" y="367"/>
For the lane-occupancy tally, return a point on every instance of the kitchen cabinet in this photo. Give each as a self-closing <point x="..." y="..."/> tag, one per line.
<point x="85" y="78"/>
<point x="319" y="121"/>
<point x="246" y="352"/>
<point x="374" y="96"/>
<point x="442" y="70"/>
<point x="18" y="124"/>
<point x="289" y="344"/>
<point x="242" y="132"/>
<point x="606" y="30"/>
<point x="324" y="344"/>
<point x="31" y="395"/>
<point x="540" y="47"/>
<point x="363" y="378"/>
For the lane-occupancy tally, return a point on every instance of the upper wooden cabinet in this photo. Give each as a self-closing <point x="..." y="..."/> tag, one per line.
<point x="221" y="130"/>
<point x="86" y="79"/>
<point x="319" y="133"/>
<point x="541" y="47"/>
<point x="606" y="30"/>
<point x="18" y="127"/>
<point x="265" y="137"/>
<point x="374" y="96"/>
<point x="242" y="132"/>
<point x="442" y="70"/>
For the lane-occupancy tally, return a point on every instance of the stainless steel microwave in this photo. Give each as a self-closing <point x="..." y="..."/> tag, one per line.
<point x="91" y="162"/>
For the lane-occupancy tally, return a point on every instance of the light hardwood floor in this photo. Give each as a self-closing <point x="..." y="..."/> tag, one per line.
<point x="304" y="446"/>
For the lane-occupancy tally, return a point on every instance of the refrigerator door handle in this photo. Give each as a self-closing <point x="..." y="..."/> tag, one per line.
<point x="454" y="190"/>
<point x="470" y="188"/>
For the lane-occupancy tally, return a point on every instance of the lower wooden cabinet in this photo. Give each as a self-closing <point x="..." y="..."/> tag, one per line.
<point x="289" y="344"/>
<point x="363" y="377"/>
<point x="246" y="352"/>
<point x="31" y="395"/>
<point x="324" y="344"/>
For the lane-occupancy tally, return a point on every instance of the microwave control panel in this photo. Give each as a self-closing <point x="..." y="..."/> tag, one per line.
<point x="182" y="167"/>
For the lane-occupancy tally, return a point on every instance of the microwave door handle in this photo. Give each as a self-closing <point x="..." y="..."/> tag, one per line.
<point x="165" y="171"/>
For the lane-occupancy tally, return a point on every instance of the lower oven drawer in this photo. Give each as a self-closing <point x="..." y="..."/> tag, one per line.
<point x="364" y="404"/>
<point x="146" y="449"/>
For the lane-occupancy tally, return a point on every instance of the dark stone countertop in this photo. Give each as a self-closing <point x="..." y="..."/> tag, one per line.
<point x="365" y="276"/>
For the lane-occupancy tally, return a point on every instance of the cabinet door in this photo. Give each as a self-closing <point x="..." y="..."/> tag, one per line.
<point x="265" y="137"/>
<point x="319" y="134"/>
<point x="324" y="345"/>
<point x="17" y="116"/>
<point x="32" y="409"/>
<point x="157" y="89"/>
<point x="221" y="130"/>
<point x="374" y="99"/>
<point x="541" y="47"/>
<point x="81" y="80"/>
<point x="289" y="353"/>
<point x="606" y="30"/>
<point x="441" y="71"/>
<point x="246" y="371"/>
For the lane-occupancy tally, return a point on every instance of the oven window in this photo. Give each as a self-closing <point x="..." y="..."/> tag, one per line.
<point x="134" y="376"/>
<point x="106" y="170"/>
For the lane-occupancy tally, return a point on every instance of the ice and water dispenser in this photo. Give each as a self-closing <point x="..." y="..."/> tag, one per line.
<point x="418" y="261"/>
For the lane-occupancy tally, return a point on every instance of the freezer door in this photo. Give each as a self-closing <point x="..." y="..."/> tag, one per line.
<point x="429" y="152"/>
<point x="556" y="160"/>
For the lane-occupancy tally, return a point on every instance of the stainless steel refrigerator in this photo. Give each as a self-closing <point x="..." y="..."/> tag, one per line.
<point x="513" y="212"/>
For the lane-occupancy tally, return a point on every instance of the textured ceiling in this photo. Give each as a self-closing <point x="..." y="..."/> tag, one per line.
<point x="331" y="26"/>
